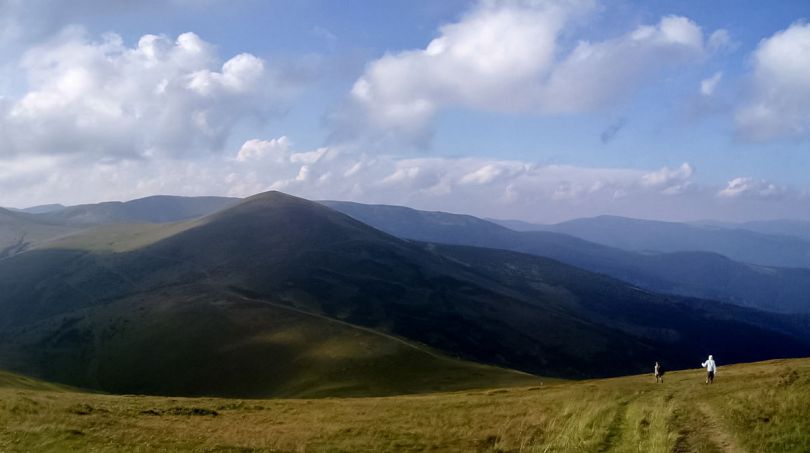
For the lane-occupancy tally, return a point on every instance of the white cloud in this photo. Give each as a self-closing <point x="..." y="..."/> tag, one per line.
<point x="707" y="86"/>
<point x="669" y="181"/>
<point x="751" y="188"/>
<point x="277" y="149"/>
<point x="505" y="56"/>
<point x="778" y="106"/>
<point x="596" y="74"/>
<point x="105" y="100"/>
<point x="719" y="41"/>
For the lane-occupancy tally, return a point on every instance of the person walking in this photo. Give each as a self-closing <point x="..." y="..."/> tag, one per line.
<point x="659" y="373"/>
<point x="711" y="369"/>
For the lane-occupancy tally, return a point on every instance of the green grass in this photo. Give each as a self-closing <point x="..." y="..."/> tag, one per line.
<point x="16" y="381"/>
<point x="761" y="407"/>
<point x="20" y="231"/>
<point x="118" y="238"/>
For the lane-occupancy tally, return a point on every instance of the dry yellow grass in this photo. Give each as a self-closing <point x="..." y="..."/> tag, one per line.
<point x="754" y="407"/>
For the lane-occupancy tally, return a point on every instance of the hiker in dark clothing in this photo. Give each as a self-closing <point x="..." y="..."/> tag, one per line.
<point x="659" y="373"/>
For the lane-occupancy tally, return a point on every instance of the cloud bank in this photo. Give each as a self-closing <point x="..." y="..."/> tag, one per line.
<point x="479" y="186"/>
<point x="162" y="97"/>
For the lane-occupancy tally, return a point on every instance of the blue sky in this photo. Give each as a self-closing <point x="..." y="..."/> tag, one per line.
<point x="665" y="109"/>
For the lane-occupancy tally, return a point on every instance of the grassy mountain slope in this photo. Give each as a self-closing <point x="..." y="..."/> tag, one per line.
<point x="695" y="274"/>
<point x="202" y="342"/>
<point x="156" y="209"/>
<point x="19" y="231"/>
<point x="17" y="381"/>
<point x="86" y="310"/>
<point x="758" y="407"/>
<point x="22" y="229"/>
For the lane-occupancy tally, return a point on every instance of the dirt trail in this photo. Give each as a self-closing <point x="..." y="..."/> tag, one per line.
<point x="699" y="430"/>
<point x="616" y="428"/>
<point x="724" y="441"/>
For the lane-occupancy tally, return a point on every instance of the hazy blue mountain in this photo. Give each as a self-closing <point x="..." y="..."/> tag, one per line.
<point x="156" y="209"/>
<point x="697" y="274"/>
<point x="656" y="236"/>
<point x="41" y="209"/>
<point x="277" y="296"/>
<point x="784" y="227"/>
<point x="518" y="225"/>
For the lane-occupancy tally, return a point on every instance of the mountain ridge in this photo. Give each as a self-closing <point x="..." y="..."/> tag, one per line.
<point x="764" y="287"/>
<point x="126" y="318"/>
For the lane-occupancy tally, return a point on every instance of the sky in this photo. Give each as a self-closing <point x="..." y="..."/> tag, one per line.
<point x="539" y="110"/>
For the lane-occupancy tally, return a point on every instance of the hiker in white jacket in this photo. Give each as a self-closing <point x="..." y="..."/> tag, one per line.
<point x="659" y="373"/>
<point x="711" y="368"/>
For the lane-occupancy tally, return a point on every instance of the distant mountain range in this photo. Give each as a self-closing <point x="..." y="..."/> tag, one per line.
<point x="276" y="295"/>
<point x="698" y="274"/>
<point x="733" y="241"/>
<point x="785" y="227"/>
<point x="799" y="229"/>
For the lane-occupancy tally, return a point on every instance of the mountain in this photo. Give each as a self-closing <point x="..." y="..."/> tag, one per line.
<point x="655" y="236"/>
<point x="156" y="209"/>
<point x="518" y="225"/>
<point x="41" y="209"/>
<point x="784" y="227"/>
<point x="694" y="274"/>
<point x="279" y="296"/>
<point x="19" y="231"/>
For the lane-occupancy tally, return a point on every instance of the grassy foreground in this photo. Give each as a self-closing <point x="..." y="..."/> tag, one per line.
<point x="756" y="407"/>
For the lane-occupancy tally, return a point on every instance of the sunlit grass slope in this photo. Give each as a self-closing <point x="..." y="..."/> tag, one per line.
<point x="760" y="407"/>
<point x="20" y="231"/>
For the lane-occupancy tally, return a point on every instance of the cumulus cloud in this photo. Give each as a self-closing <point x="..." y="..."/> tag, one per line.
<point x="505" y="56"/>
<point x="669" y="180"/>
<point x="105" y="100"/>
<point x="275" y="149"/>
<point x="778" y="106"/>
<point x="744" y="187"/>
